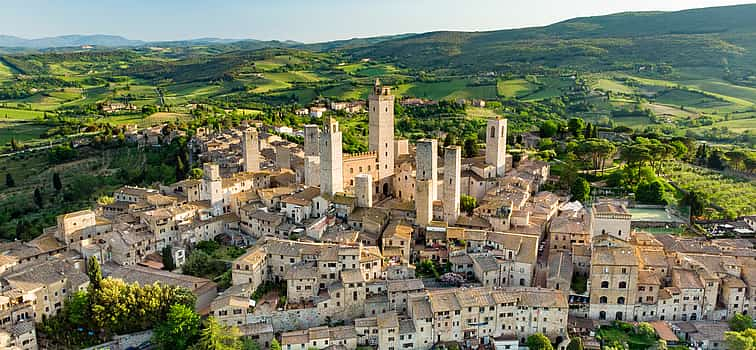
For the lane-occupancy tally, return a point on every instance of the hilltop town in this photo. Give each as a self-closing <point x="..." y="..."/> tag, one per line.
<point x="377" y="249"/>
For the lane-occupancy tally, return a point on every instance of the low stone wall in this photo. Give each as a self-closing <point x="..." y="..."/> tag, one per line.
<point x="126" y="341"/>
<point x="288" y="320"/>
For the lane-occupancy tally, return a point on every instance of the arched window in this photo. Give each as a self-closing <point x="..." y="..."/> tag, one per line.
<point x="603" y="300"/>
<point x="602" y="315"/>
<point x="604" y="284"/>
<point x="623" y="285"/>
<point x="493" y="131"/>
<point x="621" y="300"/>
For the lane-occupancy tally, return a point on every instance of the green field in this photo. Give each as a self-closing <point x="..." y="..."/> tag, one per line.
<point x="735" y="196"/>
<point x="8" y="114"/>
<point x="612" y="86"/>
<point x="155" y="119"/>
<point x="514" y="88"/>
<point x="446" y="90"/>
<point x="690" y="99"/>
<point x="21" y="131"/>
<point x="5" y="72"/>
<point x="550" y="87"/>
<point x="738" y="125"/>
<point x="347" y="92"/>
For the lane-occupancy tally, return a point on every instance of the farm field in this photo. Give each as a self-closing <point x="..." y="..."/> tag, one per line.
<point x="738" y="125"/>
<point x="20" y="130"/>
<point x="514" y="88"/>
<point x="610" y="85"/>
<point x="549" y="87"/>
<point x="730" y="195"/>
<point x="347" y="92"/>
<point x="12" y="114"/>
<point x="446" y="90"/>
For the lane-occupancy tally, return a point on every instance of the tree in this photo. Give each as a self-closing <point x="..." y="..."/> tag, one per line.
<point x="38" y="200"/>
<point x="576" y="126"/>
<point x="215" y="336"/>
<point x="741" y="322"/>
<point x="548" y="128"/>
<point x="94" y="272"/>
<point x="576" y="343"/>
<point x="180" y="328"/>
<point x="57" y="184"/>
<point x="739" y="340"/>
<point x="470" y="148"/>
<point x="9" y="182"/>
<point x="468" y="203"/>
<point x="196" y="173"/>
<point x="696" y="203"/>
<point x="539" y="341"/>
<point x="275" y="345"/>
<point x="580" y="190"/>
<point x="650" y="192"/>
<point x="168" y="262"/>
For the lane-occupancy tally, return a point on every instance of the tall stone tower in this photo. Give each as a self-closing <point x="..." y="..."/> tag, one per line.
<point x="496" y="144"/>
<point x="452" y="175"/>
<point x="363" y="189"/>
<point x="423" y="202"/>
<point x="331" y="159"/>
<point x="311" y="140"/>
<point x="250" y="150"/>
<point x="312" y="171"/>
<point x="426" y="159"/>
<point x="213" y="187"/>
<point x="381" y="132"/>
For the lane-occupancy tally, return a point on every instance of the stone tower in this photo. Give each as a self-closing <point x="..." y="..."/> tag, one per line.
<point x="311" y="140"/>
<point x="423" y="202"/>
<point x="452" y="175"/>
<point x="213" y="187"/>
<point x="331" y="159"/>
<point x="427" y="163"/>
<point x="251" y="150"/>
<point x="312" y="171"/>
<point x="496" y="144"/>
<point x="381" y="132"/>
<point x="363" y="189"/>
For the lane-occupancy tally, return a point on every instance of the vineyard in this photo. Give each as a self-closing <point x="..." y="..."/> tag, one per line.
<point x="730" y="196"/>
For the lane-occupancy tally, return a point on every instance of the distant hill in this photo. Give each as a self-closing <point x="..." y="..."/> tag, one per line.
<point x="711" y="36"/>
<point x="68" y="41"/>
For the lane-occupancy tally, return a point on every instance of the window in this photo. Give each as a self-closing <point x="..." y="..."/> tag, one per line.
<point x="621" y="300"/>
<point x="623" y="285"/>
<point x="604" y="284"/>
<point x="603" y="300"/>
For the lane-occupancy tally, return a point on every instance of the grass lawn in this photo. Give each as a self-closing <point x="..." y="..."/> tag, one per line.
<point x="514" y="88"/>
<point x="612" y="334"/>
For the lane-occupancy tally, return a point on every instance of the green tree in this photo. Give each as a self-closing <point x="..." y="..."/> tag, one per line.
<point x="94" y="272"/>
<point x="468" y="203"/>
<point x="77" y="308"/>
<point x="580" y="190"/>
<point x="196" y="173"/>
<point x="471" y="148"/>
<point x="215" y="336"/>
<point x="57" y="184"/>
<point x="9" y="182"/>
<point x="576" y="343"/>
<point x="180" y="328"/>
<point x="740" y="322"/>
<point x="576" y="126"/>
<point x="38" y="200"/>
<point x="168" y="262"/>
<point x="549" y="128"/>
<point x="250" y="344"/>
<point x="275" y="345"/>
<point x="650" y="192"/>
<point x="539" y="341"/>
<point x="739" y="340"/>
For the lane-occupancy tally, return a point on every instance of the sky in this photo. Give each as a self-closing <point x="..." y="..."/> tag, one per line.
<point x="300" y="20"/>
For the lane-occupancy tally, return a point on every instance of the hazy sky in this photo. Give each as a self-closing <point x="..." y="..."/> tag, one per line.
<point x="301" y="20"/>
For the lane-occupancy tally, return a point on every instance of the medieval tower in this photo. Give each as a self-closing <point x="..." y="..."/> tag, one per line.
<point x="452" y="175"/>
<point x="331" y="159"/>
<point x="381" y="133"/>
<point x="363" y="188"/>
<point x="250" y="150"/>
<point x="496" y="144"/>
<point x="213" y="187"/>
<point x="427" y="163"/>
<point x="311" y="140"/>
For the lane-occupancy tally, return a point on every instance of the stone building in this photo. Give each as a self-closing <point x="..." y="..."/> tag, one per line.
<point x="452" y="183"/>
<point x="381" y="134"/>
<point x="496" y="145"/>
<point x="331" y="159"/>
<point x="613" y="279"/>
